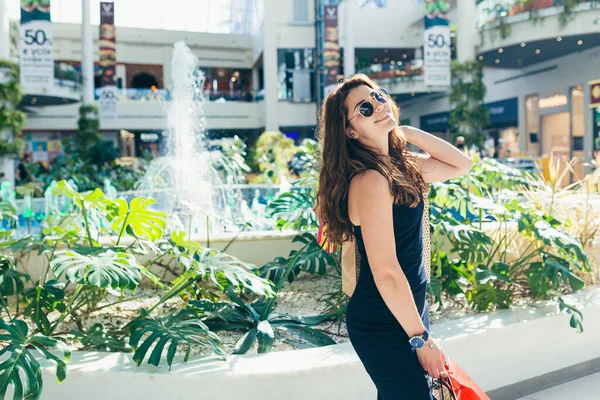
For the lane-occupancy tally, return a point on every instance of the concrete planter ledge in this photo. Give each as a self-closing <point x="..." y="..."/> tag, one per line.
<point x="498" y="350"/>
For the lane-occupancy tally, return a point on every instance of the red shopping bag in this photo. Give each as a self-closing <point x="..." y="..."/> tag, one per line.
<point x="462" y="385"/>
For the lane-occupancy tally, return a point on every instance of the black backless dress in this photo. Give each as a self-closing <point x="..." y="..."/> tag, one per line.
<point x="376" y="335"/>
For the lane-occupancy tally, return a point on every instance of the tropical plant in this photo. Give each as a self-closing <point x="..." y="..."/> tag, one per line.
<point x="468" y="115"/>
<point x="257" y="319"/>
<point x="270" y="156"/>
<point x="11" y="119"/>
<point x="527" y="254"/>
<point x="89" y="253"/>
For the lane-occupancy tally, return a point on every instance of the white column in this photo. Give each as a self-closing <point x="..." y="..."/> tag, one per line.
<point x="255" y="79"/>
<point x="87" y="54"/>
<point x="348" y="40"/>
<point x="270" y="67"/>
<point x="467" y="34"/>
<point x="588" y="129"/>
<point x="4" y="32"/>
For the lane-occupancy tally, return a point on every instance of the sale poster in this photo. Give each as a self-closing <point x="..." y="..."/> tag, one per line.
<point x="36" y="61"/>
<point x="437" y="52"/>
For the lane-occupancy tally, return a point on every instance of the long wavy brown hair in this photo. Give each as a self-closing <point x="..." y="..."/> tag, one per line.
<point x="342" y="158"/>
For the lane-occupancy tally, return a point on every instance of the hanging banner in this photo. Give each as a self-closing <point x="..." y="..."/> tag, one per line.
<point x="37" y="61"/>
<point x="108" y="60"/>
<point x="331" y="51"/>
<point x="437" y="43"/>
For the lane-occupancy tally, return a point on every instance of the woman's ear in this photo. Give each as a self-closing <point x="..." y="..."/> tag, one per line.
<point x="351" y="134"/>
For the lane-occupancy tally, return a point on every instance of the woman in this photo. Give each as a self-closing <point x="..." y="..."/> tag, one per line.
<point x="372" y="188"/>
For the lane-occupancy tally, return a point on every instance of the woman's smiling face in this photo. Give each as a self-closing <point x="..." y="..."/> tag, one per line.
<point x="372" y="128"/>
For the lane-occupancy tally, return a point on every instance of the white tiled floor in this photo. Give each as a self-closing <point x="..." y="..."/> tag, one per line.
<point x="586" y="388"/>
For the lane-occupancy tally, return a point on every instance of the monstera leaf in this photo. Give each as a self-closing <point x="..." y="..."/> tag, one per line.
<point x="294" y="210"/>
<point x="8" y="213"/>
<point x="275" y="270"/>
<point x="11" y="280"/>
<point x="94" y="199"/>
<point x="107" y="269"/>
<point x="21" y="369"/>
<point x="225" y="269"/>
<point x="313" y="259"/>
<point x="144" y="223"/>
<point x="43" y="299"/>
<point x="98" y="337"/>
<point x="181" y="328"/>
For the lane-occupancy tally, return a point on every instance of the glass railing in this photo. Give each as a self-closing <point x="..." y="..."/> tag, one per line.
<point x="407" y="70"/>
<point x="165" y="95"/>
<point x="494" y="14"/>
<point x="67" y="76"/>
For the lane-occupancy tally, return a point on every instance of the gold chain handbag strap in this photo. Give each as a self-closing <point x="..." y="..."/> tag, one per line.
<point x="426" y="236"/>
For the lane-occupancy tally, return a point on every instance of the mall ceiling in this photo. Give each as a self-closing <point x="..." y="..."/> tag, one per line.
<point x="530" y="53"/>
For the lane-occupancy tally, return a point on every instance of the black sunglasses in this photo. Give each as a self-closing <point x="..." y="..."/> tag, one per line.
<point x="366" y="108"/>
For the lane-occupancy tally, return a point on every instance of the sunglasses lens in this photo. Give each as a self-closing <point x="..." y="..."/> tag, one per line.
<point x="379" y="97"/>
<point x="366" y="109"/>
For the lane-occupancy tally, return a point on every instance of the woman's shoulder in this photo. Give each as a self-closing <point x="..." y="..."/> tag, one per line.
<point x="371" y="176"/>
<point x="370" y="182"/>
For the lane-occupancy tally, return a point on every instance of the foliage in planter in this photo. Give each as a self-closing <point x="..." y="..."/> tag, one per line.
<point x="566" y="15"/>
<point x="88" y="134"/>
<point x="73" y="250"/>
<point x="233" y="164"/>
<point x="468" y="115"/>
<point x="11" y="148"/>
<point x="86" y="175"/>
<point x="270" y="156"/>
<point x="257" y="319"/>
<point x="528" y="255"/>
<point x="10" y="93"/>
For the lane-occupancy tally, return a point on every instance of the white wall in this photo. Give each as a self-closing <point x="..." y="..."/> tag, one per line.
<point x="148" y="115"/>
<point x="400" y="25"/>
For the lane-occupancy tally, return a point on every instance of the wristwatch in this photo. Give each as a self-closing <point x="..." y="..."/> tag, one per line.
<point x="416" y="342"/>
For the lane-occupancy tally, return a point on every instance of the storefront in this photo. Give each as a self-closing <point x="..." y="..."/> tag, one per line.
<point x="436" y="124"/>
<point x="555" y="126"/>
<point x="140" y="143"/>
<point x="46" y="146"/>
<point x="503" y="131"/>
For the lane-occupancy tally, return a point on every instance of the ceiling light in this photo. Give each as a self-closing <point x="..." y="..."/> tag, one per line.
<point x="412" y="94"/>
<point x="480" y="58"/>
<point x="500" y="50"/>
<point x="558" y="39"/>
<point x="497" y="61"/>
<point x="376" y="59"/>
<point x="523" y="44"/>
<point x="392" y="62"/>
<point x="538" y="51"/>
<point x="580" y="42"/>
<point x="404" y="56"/>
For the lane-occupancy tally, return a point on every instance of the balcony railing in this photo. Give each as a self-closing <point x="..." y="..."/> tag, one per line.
<point x="494" y="14"/>
<point x="407" y="70"/>
<point x="165" y="95"/>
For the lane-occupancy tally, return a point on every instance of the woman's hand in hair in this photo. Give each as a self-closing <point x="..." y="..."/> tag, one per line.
<point x="443" y="161"/>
